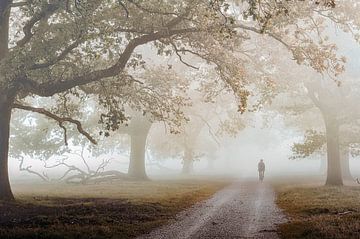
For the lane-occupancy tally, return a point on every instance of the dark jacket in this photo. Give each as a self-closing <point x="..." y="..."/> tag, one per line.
<point x="261" y="166"/>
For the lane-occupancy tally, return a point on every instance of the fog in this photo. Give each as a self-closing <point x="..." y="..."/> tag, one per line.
<point x="234" y="156"/>
<point x="265" y="133"/>
<point x="118" y="116"/>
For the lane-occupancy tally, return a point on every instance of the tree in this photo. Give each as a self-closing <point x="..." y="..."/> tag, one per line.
<point x="207" y="123"/>
<point x="159" y="96"/>
<point x="63" y="46"/>
<point x="340" y="103"/>
<point x="314" y="142"/>
<point x="57" y="34"/>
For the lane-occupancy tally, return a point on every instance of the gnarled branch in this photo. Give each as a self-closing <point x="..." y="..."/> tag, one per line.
<point x="53" y="87"/>
<point x="47" y="10"/>
<point x="59" y="119"/>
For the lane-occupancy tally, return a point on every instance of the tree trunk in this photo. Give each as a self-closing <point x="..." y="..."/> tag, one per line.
<point x="334" y="176"/>
<point x="345" y="164"/>
<point x="4" y="27"/>
<point x="138" y="136"/>
<point x="6" y="101"/>
<point x="188" y="161"/>
<point x="323" y="166"/>
<point x="5" y="115"/>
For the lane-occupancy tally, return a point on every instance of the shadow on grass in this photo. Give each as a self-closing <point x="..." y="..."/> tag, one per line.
<point x="320" y="212"/>
<point x="80" y="218"/>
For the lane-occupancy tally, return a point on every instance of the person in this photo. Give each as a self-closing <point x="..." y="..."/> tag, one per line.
<point x="261" y="169"/>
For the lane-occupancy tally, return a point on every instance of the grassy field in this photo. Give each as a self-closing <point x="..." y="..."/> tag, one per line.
<point x="111" y="210"/>
<point x="316" y="211"/>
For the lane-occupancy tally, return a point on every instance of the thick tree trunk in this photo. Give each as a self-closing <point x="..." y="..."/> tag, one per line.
<point x="334" y="176"/>
<point x="188" y="162"/>
<point x="6" y="101"/>
<point x="5" y="115"/>
<point x="138" y="136"/>
<point x="4" y="27"/>
<point x="345" y="164"/>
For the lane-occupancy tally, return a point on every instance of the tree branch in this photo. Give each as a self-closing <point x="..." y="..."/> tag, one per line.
<point x="152" y="11"/>
<point x="19" y="4"/>
<point x="28" y="169"/>
<point x="60" y="57"/>
<point x="124" y="7"/>
<point x="255" y="30"/>
<point x="60" y="120"/>
<point x="47" y="10"/>
<point x="53" y="87"/>
<point x="177" y="52"/>
<point x="314" y="98"/>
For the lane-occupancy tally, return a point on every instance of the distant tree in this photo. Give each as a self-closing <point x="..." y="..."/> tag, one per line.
<point x="200" y="137"/>
<point x="337" y="105"/>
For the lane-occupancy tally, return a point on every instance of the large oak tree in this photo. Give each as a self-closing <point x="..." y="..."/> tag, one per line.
<point x="49" y="47"/>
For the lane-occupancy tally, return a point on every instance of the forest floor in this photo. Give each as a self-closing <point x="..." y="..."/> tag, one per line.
<point x="107" y="210"/>
<point x="316" y="211"/>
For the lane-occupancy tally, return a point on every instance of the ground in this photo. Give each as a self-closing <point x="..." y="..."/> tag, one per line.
<point x="112" y="210"/>
<point x="193" y="208"/>
<point x="316" y="211"/>
<point x="244" y="209"/>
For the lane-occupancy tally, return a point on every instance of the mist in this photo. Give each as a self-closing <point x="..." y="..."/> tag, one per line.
<point x="179" y="119"/>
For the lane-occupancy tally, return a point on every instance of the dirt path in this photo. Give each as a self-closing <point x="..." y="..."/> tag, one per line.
<point x="242" y="210"/>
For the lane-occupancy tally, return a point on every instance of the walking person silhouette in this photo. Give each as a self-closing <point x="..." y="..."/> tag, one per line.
<point x="261" y="169"/>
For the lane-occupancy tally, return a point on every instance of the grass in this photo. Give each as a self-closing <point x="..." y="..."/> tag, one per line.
<point x="111" y="210"/>
<point x="320" y="211"/>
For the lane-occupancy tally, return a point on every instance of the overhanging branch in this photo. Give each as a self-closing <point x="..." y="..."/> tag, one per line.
<point x="178" y="52"/>
<point x="60" y="120"/>
<point x="61" y="85"/>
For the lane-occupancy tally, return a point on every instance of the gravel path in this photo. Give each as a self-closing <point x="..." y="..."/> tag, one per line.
<point x="242" y="210"/>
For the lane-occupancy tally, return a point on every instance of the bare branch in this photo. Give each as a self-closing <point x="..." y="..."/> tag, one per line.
<point x="28" y="169"/>
<point x="209" y="128"/>
<point x="81" y="155"/>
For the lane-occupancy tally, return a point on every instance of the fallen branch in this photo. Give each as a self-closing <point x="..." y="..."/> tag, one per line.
<point x="43" y="176"/>
<point x="97" y="177"/>
<point x="344" y="213"/>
